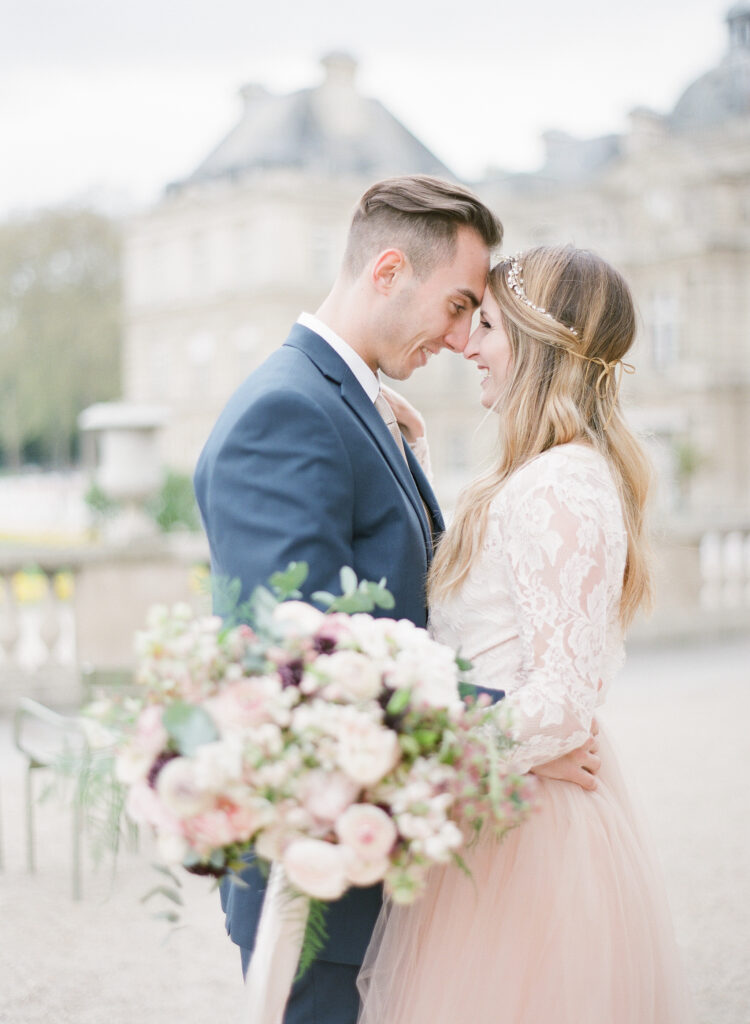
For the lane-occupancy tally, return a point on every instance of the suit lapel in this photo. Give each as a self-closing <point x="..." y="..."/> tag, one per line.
<point x="331" y="364"/>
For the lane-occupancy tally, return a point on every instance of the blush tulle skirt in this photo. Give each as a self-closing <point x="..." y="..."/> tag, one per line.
<point x="565" y="921"/>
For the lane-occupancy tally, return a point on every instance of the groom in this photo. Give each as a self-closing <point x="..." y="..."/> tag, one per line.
<point x="304" y="465"/>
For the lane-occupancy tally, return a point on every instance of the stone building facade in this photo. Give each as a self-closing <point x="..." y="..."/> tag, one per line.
<point x="221" y="267"/>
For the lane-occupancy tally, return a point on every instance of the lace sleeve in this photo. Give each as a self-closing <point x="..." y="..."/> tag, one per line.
<point x="554" y="551"/>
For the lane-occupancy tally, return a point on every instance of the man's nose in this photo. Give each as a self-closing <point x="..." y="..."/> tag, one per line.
<point x="457" y="338"/>
<point x="471" y="347"/>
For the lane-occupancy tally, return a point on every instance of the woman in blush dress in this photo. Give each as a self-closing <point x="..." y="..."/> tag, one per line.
<point x="564" y="921"/>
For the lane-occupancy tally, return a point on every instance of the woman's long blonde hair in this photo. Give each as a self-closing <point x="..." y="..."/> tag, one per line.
<point x="570" y="321"/>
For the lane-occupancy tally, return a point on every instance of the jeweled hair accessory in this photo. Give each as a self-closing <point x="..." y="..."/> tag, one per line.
<point x="515" y="283"/>
<point x="608" y="382"/>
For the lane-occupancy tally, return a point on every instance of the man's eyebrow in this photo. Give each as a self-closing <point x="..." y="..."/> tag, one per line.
<point x="469" y="294"/>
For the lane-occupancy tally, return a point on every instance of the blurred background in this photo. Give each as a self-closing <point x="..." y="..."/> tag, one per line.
<point x="176" y="186"/>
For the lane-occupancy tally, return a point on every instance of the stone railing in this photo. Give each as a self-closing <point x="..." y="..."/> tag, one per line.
<point x="82" y="607"/>
<point x="63" y="610"/>
<point x="702" y="586"/>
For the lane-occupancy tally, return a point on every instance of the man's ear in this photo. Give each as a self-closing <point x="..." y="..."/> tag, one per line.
<point x="389" y="266"/>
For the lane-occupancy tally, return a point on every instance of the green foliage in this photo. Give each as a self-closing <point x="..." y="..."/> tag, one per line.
<point x="356" y="596"/>
<point x="98" y="793"/>
<point x="188" y="726"/>
<point x="59" y="328"/>
<point x="286" y="584"/>
<point x="175" y="507"/>
<point x="315" y="938"/>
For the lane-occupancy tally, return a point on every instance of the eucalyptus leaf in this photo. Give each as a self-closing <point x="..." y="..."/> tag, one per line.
<point x="287" y="583"/>
<point x="262" y="605"/>
<point x="164" y="870"/>
<point x="163" y="890"/>
<point x="352" y="603"/>
<point x="383" y="598"/>
<point x="348" y="579"/>
<point x="190" y="726"/>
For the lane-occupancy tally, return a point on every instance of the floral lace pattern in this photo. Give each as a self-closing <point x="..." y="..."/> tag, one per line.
<point x="538" y="614"/>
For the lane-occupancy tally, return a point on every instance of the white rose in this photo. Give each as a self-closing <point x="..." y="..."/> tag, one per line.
<point x="366" y="872"/>
<point x="133" y="764"/>
<point x="351" y="675"/>
<point x="217" y="765"/>
<point x="369" y="635"/>
<point x="366" y="750"/>
<point x="179" y="790"/>
<point x="367" y="830"/>
<point x="297" y="619"/>
<point x="316" y="868"/>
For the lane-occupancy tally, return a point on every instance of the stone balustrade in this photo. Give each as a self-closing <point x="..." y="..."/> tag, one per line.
<point x="64" y="609"/>
<point x="81" y="607"/>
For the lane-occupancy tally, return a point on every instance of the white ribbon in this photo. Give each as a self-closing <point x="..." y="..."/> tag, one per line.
<point x="278" y="944"/>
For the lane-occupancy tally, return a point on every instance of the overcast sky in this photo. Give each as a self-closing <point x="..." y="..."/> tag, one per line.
<point x="110" y="101"/>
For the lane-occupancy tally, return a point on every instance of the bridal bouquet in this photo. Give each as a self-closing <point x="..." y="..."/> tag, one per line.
<point x="337" y="746"/>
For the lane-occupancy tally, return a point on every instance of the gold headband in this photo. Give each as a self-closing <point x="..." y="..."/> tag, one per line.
<point x="608" y="369"/>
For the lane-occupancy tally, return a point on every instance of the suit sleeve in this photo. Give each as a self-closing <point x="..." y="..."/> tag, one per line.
<point x="280" y="490"/>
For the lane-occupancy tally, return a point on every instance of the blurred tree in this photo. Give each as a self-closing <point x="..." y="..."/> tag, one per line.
<point x="59" y="329"/>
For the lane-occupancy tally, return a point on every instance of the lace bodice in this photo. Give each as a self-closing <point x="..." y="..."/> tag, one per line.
<point x="538" y="613"/>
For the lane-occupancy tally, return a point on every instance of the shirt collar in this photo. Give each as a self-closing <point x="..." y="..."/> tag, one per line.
<point x="353" y="360"/>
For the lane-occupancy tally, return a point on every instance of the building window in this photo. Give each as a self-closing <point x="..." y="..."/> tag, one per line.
<point x="663" y="329"/>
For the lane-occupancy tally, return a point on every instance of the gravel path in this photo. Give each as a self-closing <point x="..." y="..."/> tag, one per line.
<point x="680" y="720"/>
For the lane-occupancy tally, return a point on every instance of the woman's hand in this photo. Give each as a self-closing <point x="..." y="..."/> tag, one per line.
<point x="410" y="421"/>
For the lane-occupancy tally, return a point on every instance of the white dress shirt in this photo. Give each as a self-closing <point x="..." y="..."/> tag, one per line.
<point x="353" y="360"/>
<point x="364" y="375"/>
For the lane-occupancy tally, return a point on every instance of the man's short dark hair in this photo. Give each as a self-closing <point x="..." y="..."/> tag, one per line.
<point x="420" y="215"/>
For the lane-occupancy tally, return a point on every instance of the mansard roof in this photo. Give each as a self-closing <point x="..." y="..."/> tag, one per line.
<point x="329" y="129"/>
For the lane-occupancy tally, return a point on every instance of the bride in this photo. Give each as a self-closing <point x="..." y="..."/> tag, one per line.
<point x="543" y="567"/>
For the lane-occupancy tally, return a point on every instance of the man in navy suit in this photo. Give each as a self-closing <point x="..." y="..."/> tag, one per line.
<point x="302" y="466"/>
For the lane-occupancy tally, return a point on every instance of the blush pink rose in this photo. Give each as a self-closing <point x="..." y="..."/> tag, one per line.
<point x="326" y="795"/>
<point x="209" y="831"/>
<point x="179" y="791"/>
<point x="367" y="830"/>
<point x="246" y="703"/>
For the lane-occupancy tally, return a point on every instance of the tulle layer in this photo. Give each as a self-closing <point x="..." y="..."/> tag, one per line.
<point x="565" y="921"/>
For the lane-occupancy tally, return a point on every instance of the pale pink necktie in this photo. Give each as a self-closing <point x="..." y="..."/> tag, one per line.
<point x="383" y="406"/>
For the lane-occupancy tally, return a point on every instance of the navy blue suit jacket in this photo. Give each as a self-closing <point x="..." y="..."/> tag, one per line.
<point x="301" y="467"/>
